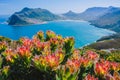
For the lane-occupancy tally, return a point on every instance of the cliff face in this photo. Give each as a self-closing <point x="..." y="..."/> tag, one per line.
<point x="32" y="16"/>
<point x="16" y="20"/>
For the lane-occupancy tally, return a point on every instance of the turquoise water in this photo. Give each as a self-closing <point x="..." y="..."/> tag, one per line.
<point x="83" y="32"/>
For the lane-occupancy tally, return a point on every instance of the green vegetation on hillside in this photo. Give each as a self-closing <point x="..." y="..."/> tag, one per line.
<point x="106" y="44"/>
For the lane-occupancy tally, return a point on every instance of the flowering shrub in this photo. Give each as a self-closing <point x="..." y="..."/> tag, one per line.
<point x="10" y="55"/>
<point x="89" y="77"/>
<point x="3" y="46"/>
<point x="69" y="71"/>
<point x="102" y="68"/>
<point x="4" y="73"/>
<point x="40" y="36"/>
<point x="114" y="56"/>
<point x="52" y="57"/>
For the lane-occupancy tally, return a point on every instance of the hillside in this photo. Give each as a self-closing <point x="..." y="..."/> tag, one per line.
<point x="102" y="17"/>
<point x="113" y="36"/>
<point x="110" y="20"/>
<point x="106" y="44"/>
<point x="93" y="13"/>
<point x="32" y="16"/>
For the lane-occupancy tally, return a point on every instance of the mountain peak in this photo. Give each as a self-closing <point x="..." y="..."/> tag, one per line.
<point x="110" y="6"/>
<point x="70" y="12"/>
<point x="26" y="9"/>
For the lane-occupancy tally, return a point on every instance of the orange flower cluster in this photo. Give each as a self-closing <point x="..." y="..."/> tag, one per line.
<point x="10" y="55"/>
<point x="89" y="77"/>
<point x="3" y="45"/>
<point x="24" y="51"/>
<point x="85" y="62"/>
<point x="51" y="60"/>
<point x="26" y="42"/>
<point x="50" y="34"/>
<point x="115" y="66"/>
<point x="92" y="55"/>
<point x="73" y="65"/>
<point x="102" y="68"/>
<point x="40" y="36"/>
<point x="115" y="76"/>
<point x="89" y="58"/>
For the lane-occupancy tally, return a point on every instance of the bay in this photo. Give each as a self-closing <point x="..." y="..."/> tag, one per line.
<point x="82" y="31"/>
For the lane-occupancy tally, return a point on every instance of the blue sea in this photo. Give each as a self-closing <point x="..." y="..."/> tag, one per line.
<point x="82" y="31"/>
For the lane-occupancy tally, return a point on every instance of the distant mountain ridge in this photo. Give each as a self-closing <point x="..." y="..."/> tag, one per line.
<point x="110" y="20"/>
<point x="97" y="12"/>
<point x="103" y="17"/>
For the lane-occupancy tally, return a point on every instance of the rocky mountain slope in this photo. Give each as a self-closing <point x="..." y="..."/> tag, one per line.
<point x="32" y="16"/>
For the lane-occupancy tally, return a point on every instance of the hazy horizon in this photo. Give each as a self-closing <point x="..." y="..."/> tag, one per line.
<point x="55" y="6"/>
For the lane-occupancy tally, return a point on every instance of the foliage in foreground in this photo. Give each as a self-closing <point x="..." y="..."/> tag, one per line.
<point x="54" y="58"/>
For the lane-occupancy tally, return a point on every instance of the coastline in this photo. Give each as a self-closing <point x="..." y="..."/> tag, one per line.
<point x="68" y="20"/>
<point x="45" y="22"/>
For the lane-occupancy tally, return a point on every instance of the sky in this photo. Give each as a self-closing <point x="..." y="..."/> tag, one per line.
<point x="55" y="6"/>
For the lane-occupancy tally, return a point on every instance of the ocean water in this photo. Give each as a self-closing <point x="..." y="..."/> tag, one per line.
<point x="82" y="31"/>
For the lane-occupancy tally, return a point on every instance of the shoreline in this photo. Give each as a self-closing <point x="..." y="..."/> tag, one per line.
<point x="111" y="32"/>
<point x="29" y="24"/>
<point x="45" y="22"/>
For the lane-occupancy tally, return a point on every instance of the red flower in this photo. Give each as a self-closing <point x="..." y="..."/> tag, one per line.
<point x="115" y="66"/>
<point x="10" y="55"/>
<point x="76" y="54"/>
<point x="3" y="45"/>
<point x="102" y="68"/>
<point x="52" y="60"/>
<point x="26" y="42"/>
<point x="91" y="55"/>
<point x="24" y="51"/>
<point x="40" y="61"/>
<point x="84" y="61"/>
<point x="115" y="76"/>
<point x="89" y="77"/>
<point x="73" y="65"/>
<point x="59" y="53"/>
<point x="45" y="45"/>
<point x="54" y="41"/>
